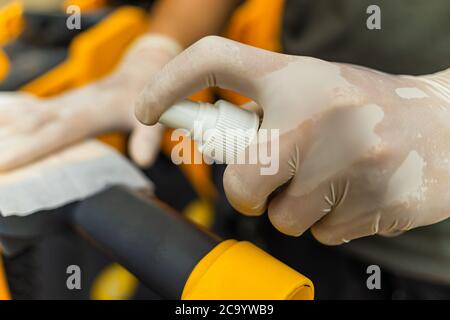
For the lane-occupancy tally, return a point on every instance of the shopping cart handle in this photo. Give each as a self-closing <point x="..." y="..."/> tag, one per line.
<point x="151" y="240"/>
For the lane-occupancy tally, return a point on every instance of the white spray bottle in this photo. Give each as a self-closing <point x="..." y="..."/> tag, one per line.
<point x="222" y="131"/>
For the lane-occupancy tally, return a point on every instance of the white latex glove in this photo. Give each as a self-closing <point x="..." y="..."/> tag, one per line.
<point x="361" y="152"/>
<point x="31" y="128"/>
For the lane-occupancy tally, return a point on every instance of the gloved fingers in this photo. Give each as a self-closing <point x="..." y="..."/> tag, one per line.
<point x="355" y="198"/>
<point x="341" y="226"/>
<point x="252" y="106"/>
<point x="248" y="186"/>
<point x="144" y="144"/>
<point x="13" y="97"/>
<point x="27" y="123"/>
<point x="247" y="190"/>
<point x="7" y="117"/>
<point x="10" y="142"/>
<point x="35" y="146"/>
<point x="293" y="212"/>
<point x="26" y="148"/>
<point x="210" y="62"/>
<point x="5" y="133"/>
<point x="337" y="233"/>
<point x="14" y="106"/>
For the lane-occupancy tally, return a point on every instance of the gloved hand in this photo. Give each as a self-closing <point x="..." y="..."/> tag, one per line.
<point x="361" y="152"/>
<point x="31" y="128"/>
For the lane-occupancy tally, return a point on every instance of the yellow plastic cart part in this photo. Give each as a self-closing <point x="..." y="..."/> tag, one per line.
<point x="240" y="270"/>
<point x="4" y="65"/>
<point x="93" y="53"/>
<point x="85" y="5"/>
<point x="11" y="21"/>
<point x="114" y="283"/>
<point x="4" y="289"/>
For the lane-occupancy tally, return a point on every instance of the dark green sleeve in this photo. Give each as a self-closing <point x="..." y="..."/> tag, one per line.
<point x="414" y="36"/>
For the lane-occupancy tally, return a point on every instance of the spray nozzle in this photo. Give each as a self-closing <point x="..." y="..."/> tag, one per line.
<point x="222" y="130"/>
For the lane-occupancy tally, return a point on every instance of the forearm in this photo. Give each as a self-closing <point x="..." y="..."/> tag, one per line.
<point x="187" y="21"/>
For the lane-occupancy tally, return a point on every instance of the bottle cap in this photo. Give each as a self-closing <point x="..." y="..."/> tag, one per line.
<point x="222" y="130"/>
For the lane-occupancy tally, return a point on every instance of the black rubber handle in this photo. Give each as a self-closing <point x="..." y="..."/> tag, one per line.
<point x="152" y="241"/>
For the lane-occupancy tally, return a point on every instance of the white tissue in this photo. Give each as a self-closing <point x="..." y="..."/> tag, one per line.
<point x="64" y="177"/>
